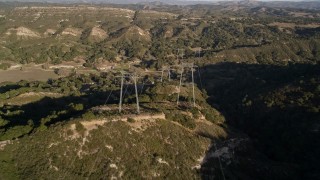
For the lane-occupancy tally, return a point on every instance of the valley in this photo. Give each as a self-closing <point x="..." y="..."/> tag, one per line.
<point x="225" y="90"/>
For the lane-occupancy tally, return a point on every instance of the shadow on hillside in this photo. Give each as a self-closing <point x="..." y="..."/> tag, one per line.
<point x="51" y="110"/>
<point x="20" y="120"/>
<point x="48" y="111"/>
<point x="8" y="87"/>
<point x="278" y="108"/>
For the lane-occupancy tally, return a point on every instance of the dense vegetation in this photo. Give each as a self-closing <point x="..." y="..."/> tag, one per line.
<point x="163" y="150"/>
<point x="277" y="106"/>
<point x="266" y="35"/>
<point x="75" y="96"/>
<point x="42" y="114"/>
<point x="257" y="93"/>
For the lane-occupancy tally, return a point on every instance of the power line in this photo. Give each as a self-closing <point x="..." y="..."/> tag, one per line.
<point x="199" y="74"/>
<point x="108" y="97"/>
<point x="220" y="164"/>
<point x="134" y="77"/>
<point x="191" y="66"/>
<point x="180" y="52"/>
<point x="180" y="84"/>
<point x="193" y="94"/>
<point x="199" y="52"/>
<point x="121" y="95"/>
<point x="168" y="69"/>
<point x="142" y="87"/>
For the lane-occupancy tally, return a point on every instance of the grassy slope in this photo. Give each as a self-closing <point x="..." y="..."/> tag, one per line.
<point x="242" y="39"/>
<point x="163" y="150"/>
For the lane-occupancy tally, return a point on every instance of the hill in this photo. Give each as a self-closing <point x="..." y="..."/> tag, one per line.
<point x="150" y="90"/>
<point x="120" y="32"/>
<point x="277" y="106"/>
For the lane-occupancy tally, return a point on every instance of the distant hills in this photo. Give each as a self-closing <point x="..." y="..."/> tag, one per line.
<point x="281" y="4"/>
<point x="169" y="2"/>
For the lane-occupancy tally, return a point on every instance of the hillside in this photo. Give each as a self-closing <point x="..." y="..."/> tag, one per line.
<point x="150" y="90"/>
<point x="81" y="149"/>
<point x="277" y="106"/>
<point x="77" y="134"/>
<point x="58" y="33"/>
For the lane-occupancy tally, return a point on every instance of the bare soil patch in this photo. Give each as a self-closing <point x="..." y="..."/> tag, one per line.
<point x="32" y="74"/>
<point x="293" y="25"/>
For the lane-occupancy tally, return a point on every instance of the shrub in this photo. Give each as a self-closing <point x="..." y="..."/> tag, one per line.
<point x="3" y="122"/>
<point x="15" y="132"/>
<point x="88" y="115"/>
<point x="212" y="115"/>
<point x="80" y="128"/>
<point x="5" y="66"/>
<point x="77" y="107"/>
<point x="182" y="119"/>
<point x="131" y="120"/>
<point x="62" y="72"/>
<point x="144" y="98"/>
<point x="195" y="113"/>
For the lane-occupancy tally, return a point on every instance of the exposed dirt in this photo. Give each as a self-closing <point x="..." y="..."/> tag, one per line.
<point x="39" y="94"/>
<point x="50" y="32"/>
<point x="72" y="31"/>
<point x="23" y="32"/>
<point x="32" y="74"/>
<point x="301" y="14"/>
<point x="139" y="32"/>
<point x="168" y="33"/>
<point x="98" y="32"/>
<point x="142" y="122"/>
<point x="4" y="143"/>
<point x="293" y="25"/>
<point x="157" y="13"/>
<point x="91" y="125"/>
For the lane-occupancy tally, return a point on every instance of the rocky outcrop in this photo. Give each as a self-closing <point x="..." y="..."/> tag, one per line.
<point x="72" y="32"/>
<point x="23" y="32"/>
<point x="98" y="34"/>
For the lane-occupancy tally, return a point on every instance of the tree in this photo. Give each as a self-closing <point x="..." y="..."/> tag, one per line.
<point x="3" y="122"/>
<point x="45" y="66"/>
<point x="5" y="66"/>
<point x="62" y="72"/>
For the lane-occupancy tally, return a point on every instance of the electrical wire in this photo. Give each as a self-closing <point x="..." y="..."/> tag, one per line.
<point x="199" y="74"/>
<point x="220" y="164"/>
<point x="142" y="87"/>
<point x="108" y="97"/>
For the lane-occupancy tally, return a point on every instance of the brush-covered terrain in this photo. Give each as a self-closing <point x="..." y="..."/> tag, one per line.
<point x="54" y="33"/>
<point x="254" y="115"/>
<point x="277" y="106"/>
<point x="71" y="128"/>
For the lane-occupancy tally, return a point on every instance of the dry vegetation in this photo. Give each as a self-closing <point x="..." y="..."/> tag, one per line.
<point x="59" y="92"/>
<point x="31" y="74"/>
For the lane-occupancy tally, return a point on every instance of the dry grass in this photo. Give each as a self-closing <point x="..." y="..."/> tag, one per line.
<point x="300" y="14"/>
<point x="30" y="97"/>
<point x="293" y="25"/>
<point x="30" y="74"/>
